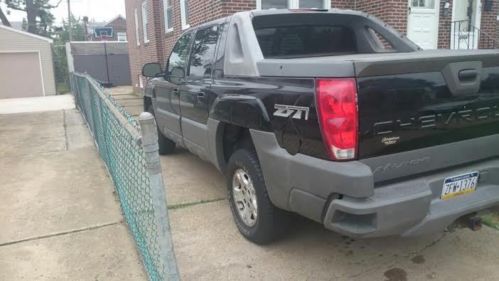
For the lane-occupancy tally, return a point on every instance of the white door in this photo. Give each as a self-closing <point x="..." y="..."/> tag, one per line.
<point x="422" y="26"/>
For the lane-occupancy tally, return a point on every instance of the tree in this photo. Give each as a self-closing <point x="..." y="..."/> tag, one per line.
<point x="38" y="15"/>
<point x="61" y="37"/>
<point x="77" y="30"/>
<point x="3" y="18"/>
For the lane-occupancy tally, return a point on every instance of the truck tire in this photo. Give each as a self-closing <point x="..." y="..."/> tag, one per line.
<point x="166" y="146"/>
<point x="255" y="216"/>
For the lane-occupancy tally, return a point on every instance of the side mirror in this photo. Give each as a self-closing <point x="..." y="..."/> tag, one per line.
<point x="152" y="70"/>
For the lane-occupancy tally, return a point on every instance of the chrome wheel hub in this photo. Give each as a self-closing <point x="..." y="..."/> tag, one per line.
<point x="244" y="195"/>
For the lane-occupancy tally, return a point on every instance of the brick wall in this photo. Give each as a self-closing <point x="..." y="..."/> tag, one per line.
<point x="342" y="4"/>
<point x="199" y="12"/>
<point x="489" y="25"/>
<point x="233" y="6"/>
<point x="118" y="25"/>
<point x="392" y="12"/>
<point x="445" y="26"/>
<point x="146" y="52"/>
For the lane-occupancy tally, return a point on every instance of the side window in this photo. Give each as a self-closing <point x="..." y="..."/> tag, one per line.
<point x="178" y="58"/>
<point x="218" y="64"/>
<point x="203" y="51"/>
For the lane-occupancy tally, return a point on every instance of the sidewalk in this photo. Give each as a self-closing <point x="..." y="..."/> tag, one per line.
<point x="59" y="217"/>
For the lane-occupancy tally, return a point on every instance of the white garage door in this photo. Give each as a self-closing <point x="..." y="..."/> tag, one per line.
<point x="20" y="75"/>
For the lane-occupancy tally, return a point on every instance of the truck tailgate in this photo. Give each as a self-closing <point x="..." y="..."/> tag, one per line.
<point x="427" y="110"/>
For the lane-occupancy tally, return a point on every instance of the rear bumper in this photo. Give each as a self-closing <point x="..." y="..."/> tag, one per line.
<point x="310" y="187"/>
<point x="412" y="207"/>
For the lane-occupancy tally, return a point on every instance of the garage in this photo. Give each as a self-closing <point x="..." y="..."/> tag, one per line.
<point x="20" y="75"/>
<point x="26" y="67"/>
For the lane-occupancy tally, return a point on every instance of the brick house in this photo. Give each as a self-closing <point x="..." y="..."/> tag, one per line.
<point x="154" y="25"/>
<point x="117" y="27"/>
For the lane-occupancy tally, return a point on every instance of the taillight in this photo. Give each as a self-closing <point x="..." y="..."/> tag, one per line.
<point x="338" y="116"/>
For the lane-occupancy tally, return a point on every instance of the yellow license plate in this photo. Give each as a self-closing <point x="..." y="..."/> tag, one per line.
<point x="459" y="185"/>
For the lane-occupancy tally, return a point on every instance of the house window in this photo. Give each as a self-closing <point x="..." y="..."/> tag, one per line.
<point x="319" y="4"/>
<point x="428" y="4"/>
<point x="121" y="36"/>
<point x="273" y="4"/>
<point x="145" y="21"/>
<point x="184" y="13"/>
<point x="167" y="10"/>
<point x="137" y="28"/>
<point x="293" y="4"/>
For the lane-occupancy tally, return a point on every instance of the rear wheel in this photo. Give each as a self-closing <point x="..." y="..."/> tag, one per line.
<point x="166" y="146"/>
<point x="255" y="216"/>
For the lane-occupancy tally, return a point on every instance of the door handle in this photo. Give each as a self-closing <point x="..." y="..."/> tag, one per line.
<point x="467" y="75"/>
<point x="201" y="97"/>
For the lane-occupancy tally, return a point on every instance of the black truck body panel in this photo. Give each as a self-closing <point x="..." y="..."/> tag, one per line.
<point x="418" y="110"/>
<point x="422" y="116"/>
<point x="253" y="103"/>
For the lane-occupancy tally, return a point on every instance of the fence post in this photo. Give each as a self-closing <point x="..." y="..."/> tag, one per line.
<point x="149" y="141"/>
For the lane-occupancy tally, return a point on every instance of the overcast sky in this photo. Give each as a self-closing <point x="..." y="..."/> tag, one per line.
<point x="100" y="10"/>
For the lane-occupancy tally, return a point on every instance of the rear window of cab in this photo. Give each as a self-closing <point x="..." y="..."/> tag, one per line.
<point x="314" y="34"/>
<point x="306" y="41"/>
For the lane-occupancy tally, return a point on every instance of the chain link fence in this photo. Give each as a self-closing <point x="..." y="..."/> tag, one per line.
<point x="129" y="147"/>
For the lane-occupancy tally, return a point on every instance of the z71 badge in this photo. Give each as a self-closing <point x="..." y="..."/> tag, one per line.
<point x="295" y="112"/>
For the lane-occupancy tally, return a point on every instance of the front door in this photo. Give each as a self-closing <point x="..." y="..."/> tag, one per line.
<point x="167" y="91"/>
<point x="422" y="26"/>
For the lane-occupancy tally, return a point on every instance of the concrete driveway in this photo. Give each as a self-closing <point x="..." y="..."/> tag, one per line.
<point x="209" y="247"/>
<point x="59" y="217"/>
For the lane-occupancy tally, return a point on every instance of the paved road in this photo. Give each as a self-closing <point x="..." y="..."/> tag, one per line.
<point x="208" y="246"/>
<point x="58" y="216"/>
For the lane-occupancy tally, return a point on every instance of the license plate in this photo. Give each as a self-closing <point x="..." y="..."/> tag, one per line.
<point x="459" y="185"/>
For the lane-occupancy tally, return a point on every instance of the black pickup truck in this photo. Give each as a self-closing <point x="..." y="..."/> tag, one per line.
<point x="335" y="116"/>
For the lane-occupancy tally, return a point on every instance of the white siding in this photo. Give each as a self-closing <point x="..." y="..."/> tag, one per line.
<point x="16" y="41"/>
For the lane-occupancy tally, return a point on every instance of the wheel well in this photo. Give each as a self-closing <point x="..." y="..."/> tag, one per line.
<point x="234" y="138"/>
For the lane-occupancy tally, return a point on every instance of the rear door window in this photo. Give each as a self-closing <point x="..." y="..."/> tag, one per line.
<point x="306" y="41"/>
<point x="203" y="52"/>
